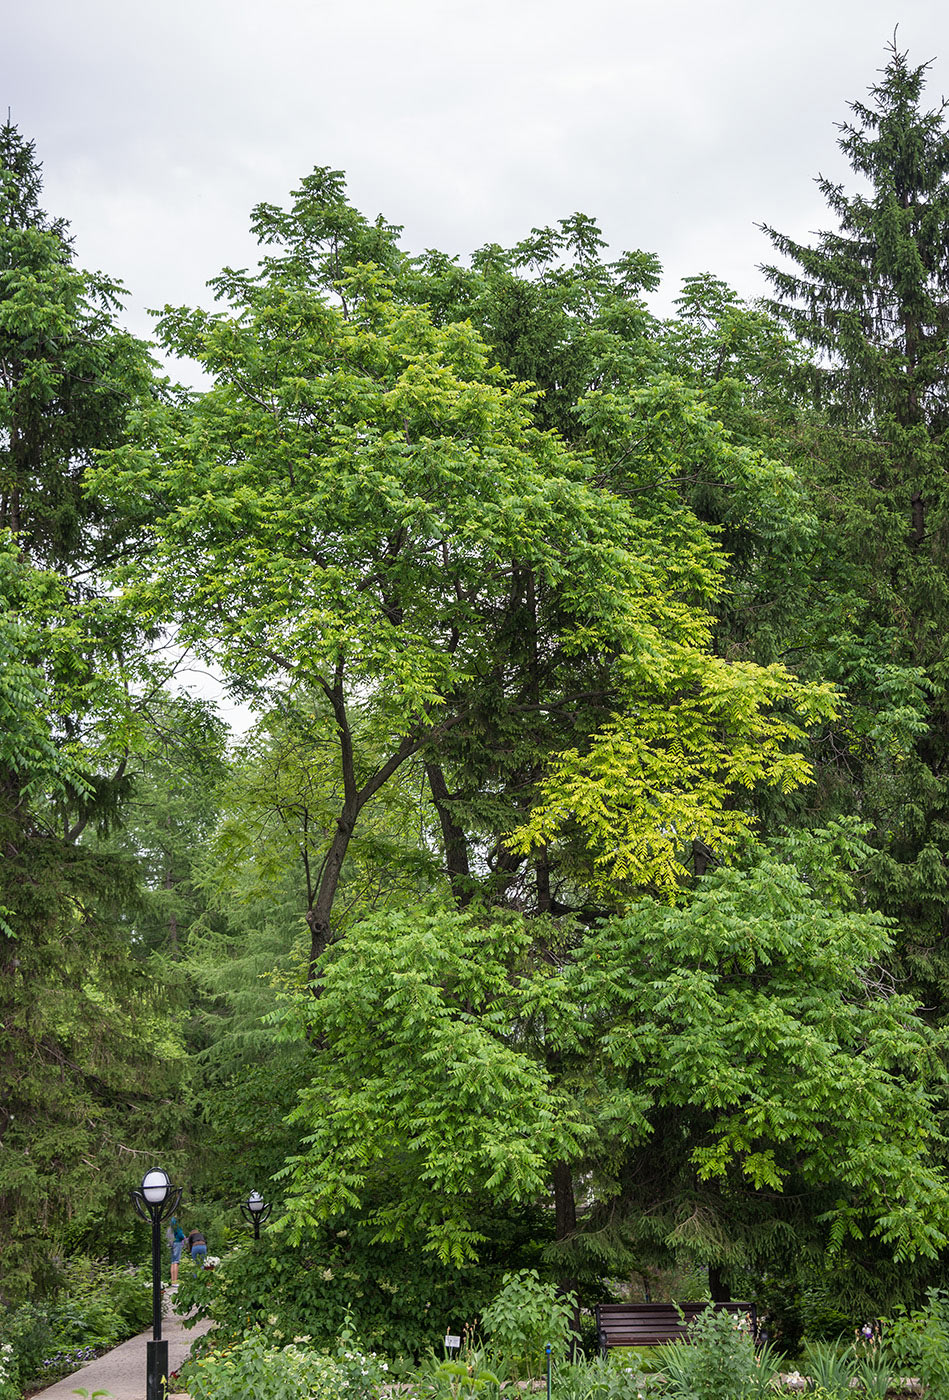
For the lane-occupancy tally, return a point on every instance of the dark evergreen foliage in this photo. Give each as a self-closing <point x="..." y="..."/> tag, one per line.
<point x="873" y="295"/>
<point x="87" y="1068"/>
<point x="872" y="299"/>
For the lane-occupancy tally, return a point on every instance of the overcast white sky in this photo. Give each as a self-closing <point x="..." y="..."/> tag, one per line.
<point x="676" y="125"/>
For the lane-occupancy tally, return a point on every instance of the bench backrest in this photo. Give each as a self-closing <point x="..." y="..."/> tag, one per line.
<point x="651" y="1324"/>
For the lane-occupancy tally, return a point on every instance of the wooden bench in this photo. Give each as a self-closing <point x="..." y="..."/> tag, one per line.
<point x="651" y="1324"/>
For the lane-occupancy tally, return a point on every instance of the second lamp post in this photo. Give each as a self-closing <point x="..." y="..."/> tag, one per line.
<point x="255" y="1211"/>
<point x="155" y="1200"/>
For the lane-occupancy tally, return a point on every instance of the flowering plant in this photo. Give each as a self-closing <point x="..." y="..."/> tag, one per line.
<point x="291" y="1372"/>
<point x="9" y="1389"/>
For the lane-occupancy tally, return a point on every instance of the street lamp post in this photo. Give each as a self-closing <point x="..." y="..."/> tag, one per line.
<point x="155" y="1200"/>
<point x="255" y="1211"/>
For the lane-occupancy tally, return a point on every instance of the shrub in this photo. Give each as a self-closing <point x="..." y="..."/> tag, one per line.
<point x="28" y="1331"/>
<point x="129" y="1291"/>
<point x="525" y="1316"/>
<point x="401" y="1301"/>
<point x="9" y="1384"/>
<point x="919" y="1344"/>
<point x="101" y="1304"/>
<point x="89" y="1321"/>
<point x="465" y="1377"/>
<point x="617" y="1376"/>
<point x="255" y="1367"/>
<point x="97" y="1306"/>
<point x="721" y="1361"/>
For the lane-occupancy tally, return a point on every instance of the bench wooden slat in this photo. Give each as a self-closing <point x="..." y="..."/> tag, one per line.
<point x="651" y="1324"/>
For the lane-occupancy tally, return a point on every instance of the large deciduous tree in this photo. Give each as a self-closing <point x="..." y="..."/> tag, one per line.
<point x="689" y="1062"/>
<point x="384" y="534"/>
<point x="364" y="507"/>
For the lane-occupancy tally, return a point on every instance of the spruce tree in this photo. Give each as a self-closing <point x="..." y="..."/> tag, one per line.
<point x="871" y="297"/>
<point x="86" y="1077"/>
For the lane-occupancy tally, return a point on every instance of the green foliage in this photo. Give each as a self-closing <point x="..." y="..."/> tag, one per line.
<point x="829" y="1366"/>
<point x="28" y="1331"/>
<point x="874" y="1371"/>
<point x="919" y="1343"/>
<point x="96" y="1307"/>
<point x="129" y="1292"/>
<point x="421" y="1078"/>
<point x="255" y="1366"/>
<point x="89" y="1061"/>
<point x="669" y="775"/>
<point x="617" y="1376"/>
<point x="737" y="1038"/>
<point x="869" y="294"/>
<point x="470" y="1375"/>
<point x="395" y="1299"/>
<point x="366" y="509"/>
<point x="833" y="1366"/>
<point x="9" y="1386"/>
<point x="526" y="1316"/>
<point x="90" y="1321"/>
<point x="869" y="297"/>
<point x="68" y="375"/>
<point x="720" y="1360"/>
<point x="29" y="751"/>
<point x="169" y="811"/>
<point x="88" y="1069"/>
<point x="589" y="873"/>
<point x="711" y="1003"/>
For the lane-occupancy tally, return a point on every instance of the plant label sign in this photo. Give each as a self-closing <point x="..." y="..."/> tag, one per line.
<point x="452" y="1341"/>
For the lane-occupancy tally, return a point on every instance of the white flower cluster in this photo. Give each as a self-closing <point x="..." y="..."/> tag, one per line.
<point x="363" y="1360"/>
<point x="7" y="1365"/>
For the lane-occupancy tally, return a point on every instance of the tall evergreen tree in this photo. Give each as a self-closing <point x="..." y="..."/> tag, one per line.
<point x="872" y="300"/>
<point x="873" y="295"/>
<point x="86" y="1068"/>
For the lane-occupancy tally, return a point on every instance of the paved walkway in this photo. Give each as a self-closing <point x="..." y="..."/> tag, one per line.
<point x="121" y="1372"/>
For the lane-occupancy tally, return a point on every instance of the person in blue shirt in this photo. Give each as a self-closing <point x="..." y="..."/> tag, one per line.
<point x="176" y="1238"/>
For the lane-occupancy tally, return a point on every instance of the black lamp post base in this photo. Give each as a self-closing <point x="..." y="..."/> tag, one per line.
<point x="156" y="1372"/>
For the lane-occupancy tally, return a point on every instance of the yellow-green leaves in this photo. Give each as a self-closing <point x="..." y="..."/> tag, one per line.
<point x="676" y="771"/>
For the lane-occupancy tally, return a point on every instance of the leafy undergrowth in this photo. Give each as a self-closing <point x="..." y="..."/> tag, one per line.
<point x="97" y="1307"/>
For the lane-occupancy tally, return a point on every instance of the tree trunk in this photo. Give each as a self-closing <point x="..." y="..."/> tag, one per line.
<point x="565" y="1208"/>
<point x="318" y="915"/>
<point x="564" y="1203"/>
<point x="542" y="869"/>
<point x="453" y="837"/>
